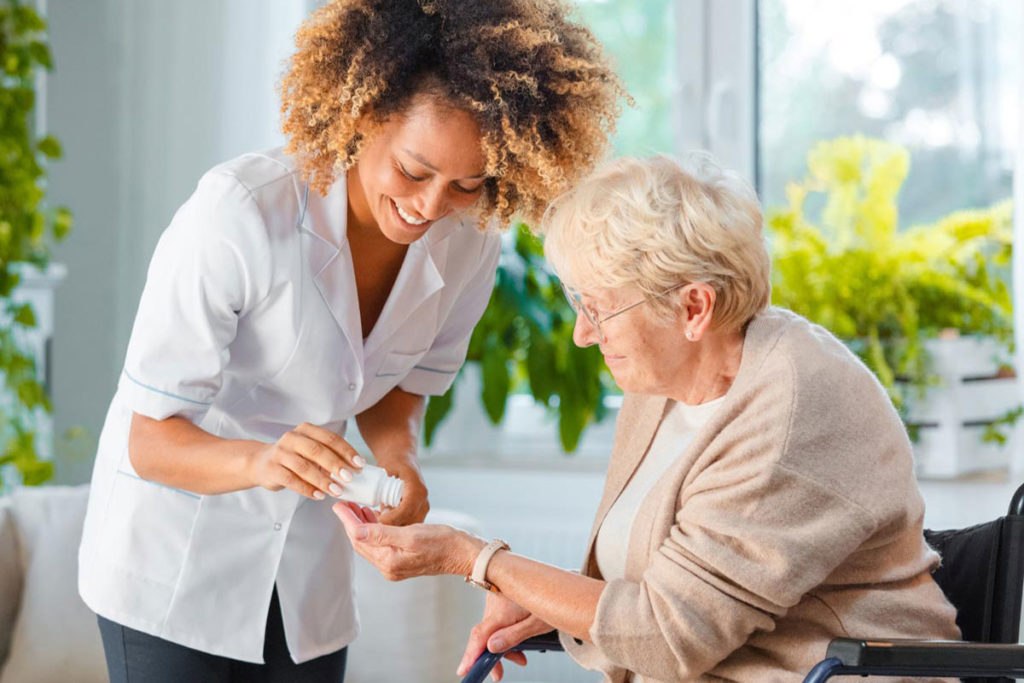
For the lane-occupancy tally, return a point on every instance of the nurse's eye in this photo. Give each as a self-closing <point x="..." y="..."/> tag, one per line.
<point x="408" y="175"/>
<point x="466" y="190"/>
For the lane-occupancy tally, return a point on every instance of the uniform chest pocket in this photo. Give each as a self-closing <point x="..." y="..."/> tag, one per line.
<point x="399" y="363"/>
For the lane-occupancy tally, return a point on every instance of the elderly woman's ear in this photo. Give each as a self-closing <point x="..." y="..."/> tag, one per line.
<point x="696" y="309"/>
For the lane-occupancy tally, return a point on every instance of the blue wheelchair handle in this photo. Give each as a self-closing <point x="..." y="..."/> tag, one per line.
<point x="823" y="670"/>
<point x="482" y="666"/>
<point x="487" y="659"/>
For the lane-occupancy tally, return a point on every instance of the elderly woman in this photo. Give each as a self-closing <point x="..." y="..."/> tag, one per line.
<point x="760" y="498"/>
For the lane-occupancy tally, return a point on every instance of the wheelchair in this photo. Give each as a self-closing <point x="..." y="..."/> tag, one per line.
<point x="982" y="575"/>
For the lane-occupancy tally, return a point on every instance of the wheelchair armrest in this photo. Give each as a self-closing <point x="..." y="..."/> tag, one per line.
<point x="543" y="642"/>
<point x="942" y="658"/>
<point x="487" y="659"/>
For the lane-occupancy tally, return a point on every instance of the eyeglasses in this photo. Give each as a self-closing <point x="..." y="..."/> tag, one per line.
<point x="576" y="302"/>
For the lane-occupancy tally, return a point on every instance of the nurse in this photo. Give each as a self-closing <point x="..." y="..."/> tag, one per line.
<point x="297" y="289"/>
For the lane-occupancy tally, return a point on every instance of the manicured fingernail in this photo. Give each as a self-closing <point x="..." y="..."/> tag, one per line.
<point x="344" y="475"/>
<point x="358" y="461"/>
<point x="498" y="645"/>
<point x="319" y="495"/>
<point x="335" y="490"/>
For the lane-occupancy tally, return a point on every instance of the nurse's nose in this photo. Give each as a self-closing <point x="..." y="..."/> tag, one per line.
<point x="432" y="202"/>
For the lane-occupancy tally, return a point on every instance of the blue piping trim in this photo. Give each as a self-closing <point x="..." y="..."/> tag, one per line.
<point x="440" y="372"/>
<point x="163" y="486"/>
<point x="166" y="393"/>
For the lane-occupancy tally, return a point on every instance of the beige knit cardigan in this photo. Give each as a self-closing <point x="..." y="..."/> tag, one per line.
<point x="791" y="518"/>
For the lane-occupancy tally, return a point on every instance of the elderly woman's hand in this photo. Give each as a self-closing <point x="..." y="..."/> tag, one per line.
<point x="403" y="552"/>
<point x="504" y="625"/>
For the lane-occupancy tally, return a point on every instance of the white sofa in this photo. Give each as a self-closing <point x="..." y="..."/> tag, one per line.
<point x="413" y="630"/>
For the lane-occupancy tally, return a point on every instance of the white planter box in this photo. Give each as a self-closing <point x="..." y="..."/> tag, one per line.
<point x="953" y="415"/>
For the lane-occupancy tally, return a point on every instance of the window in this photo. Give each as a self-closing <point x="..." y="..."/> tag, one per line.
<point x="639" y="37"/>
<point x="939" y="77"/>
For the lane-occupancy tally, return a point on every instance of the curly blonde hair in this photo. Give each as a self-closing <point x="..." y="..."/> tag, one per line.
<point x="657" y="223"/>
<point x="535" y="81"/>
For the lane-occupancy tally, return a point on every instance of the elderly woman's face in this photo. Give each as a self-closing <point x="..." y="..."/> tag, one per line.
<point x="644" y="353"/>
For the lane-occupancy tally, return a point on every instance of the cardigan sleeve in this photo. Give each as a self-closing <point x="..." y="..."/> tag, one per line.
<point x="747" y="544"/>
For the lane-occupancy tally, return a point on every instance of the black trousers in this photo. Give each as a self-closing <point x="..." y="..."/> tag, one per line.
<point x="136" y="657"/>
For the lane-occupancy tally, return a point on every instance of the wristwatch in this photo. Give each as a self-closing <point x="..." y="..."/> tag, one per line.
<point x="479" y="575"/>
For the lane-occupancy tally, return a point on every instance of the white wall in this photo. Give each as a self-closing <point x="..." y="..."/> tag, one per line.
<point x="146" y="95"/>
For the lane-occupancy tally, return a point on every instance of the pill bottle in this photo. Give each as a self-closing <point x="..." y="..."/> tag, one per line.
<point x="373" y="487"/>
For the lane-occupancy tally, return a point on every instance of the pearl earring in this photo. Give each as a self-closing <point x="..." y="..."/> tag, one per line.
<point x="689" y="335"/>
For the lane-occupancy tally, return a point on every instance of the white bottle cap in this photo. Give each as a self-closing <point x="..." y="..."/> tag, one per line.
<point x="391" y="495"/>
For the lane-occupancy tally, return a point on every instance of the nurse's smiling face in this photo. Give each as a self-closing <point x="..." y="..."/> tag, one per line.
<point x="420" y="166"/>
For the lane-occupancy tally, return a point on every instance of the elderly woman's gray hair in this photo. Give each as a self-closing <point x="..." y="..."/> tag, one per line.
<point x="656" y="223"/>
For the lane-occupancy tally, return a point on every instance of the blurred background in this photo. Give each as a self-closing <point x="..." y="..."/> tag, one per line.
<point x="908" y="105"/>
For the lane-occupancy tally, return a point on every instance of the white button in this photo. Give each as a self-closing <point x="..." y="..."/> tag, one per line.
<point x="352" y="386"/>
<point x="277" y="526"/>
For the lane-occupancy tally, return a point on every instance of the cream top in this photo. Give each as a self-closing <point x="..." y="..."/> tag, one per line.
<point x="677" y="427"/>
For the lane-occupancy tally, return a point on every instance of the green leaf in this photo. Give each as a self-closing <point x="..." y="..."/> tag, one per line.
<point x="496" y="381"/>
<point x="438" y="408"/>
<point x="62" y="222"/>
<point x="572" y="418"/>
<point x="25" y="316"/>
<point x="30" y="393"/>
<point x="41" y="54"/>
<point x="26" y="20"/>
<point x="541" y="367"/>
<point x="35" y="472"/>
<point x="49" y="146"/>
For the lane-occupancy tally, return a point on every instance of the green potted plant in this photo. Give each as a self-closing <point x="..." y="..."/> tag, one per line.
<point x="28" y="229"/>
<point x="524" y="342"/>
<point x="840" y="258"/>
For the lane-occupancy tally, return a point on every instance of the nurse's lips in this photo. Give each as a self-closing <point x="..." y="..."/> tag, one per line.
<point x="404" y="222"/>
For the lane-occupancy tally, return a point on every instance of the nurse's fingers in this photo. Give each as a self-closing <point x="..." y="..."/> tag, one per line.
<point x="309" y="475"/>
<point x="276" y="466"/>
<point x="319" y="462"/>
<point x="344" y="456"/>
<point x="293" y="482"/>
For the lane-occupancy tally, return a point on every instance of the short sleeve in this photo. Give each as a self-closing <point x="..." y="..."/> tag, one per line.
<point x="211" y="265"/>
<point x="436" y="370"/>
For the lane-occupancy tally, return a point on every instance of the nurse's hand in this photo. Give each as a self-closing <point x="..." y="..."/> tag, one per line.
<point x="303" y="460"/>
<point x="407" y="551"/>
<point x="414" y="506"/>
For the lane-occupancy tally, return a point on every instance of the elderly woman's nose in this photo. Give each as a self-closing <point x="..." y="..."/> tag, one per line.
<point x="584" y="333"/>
